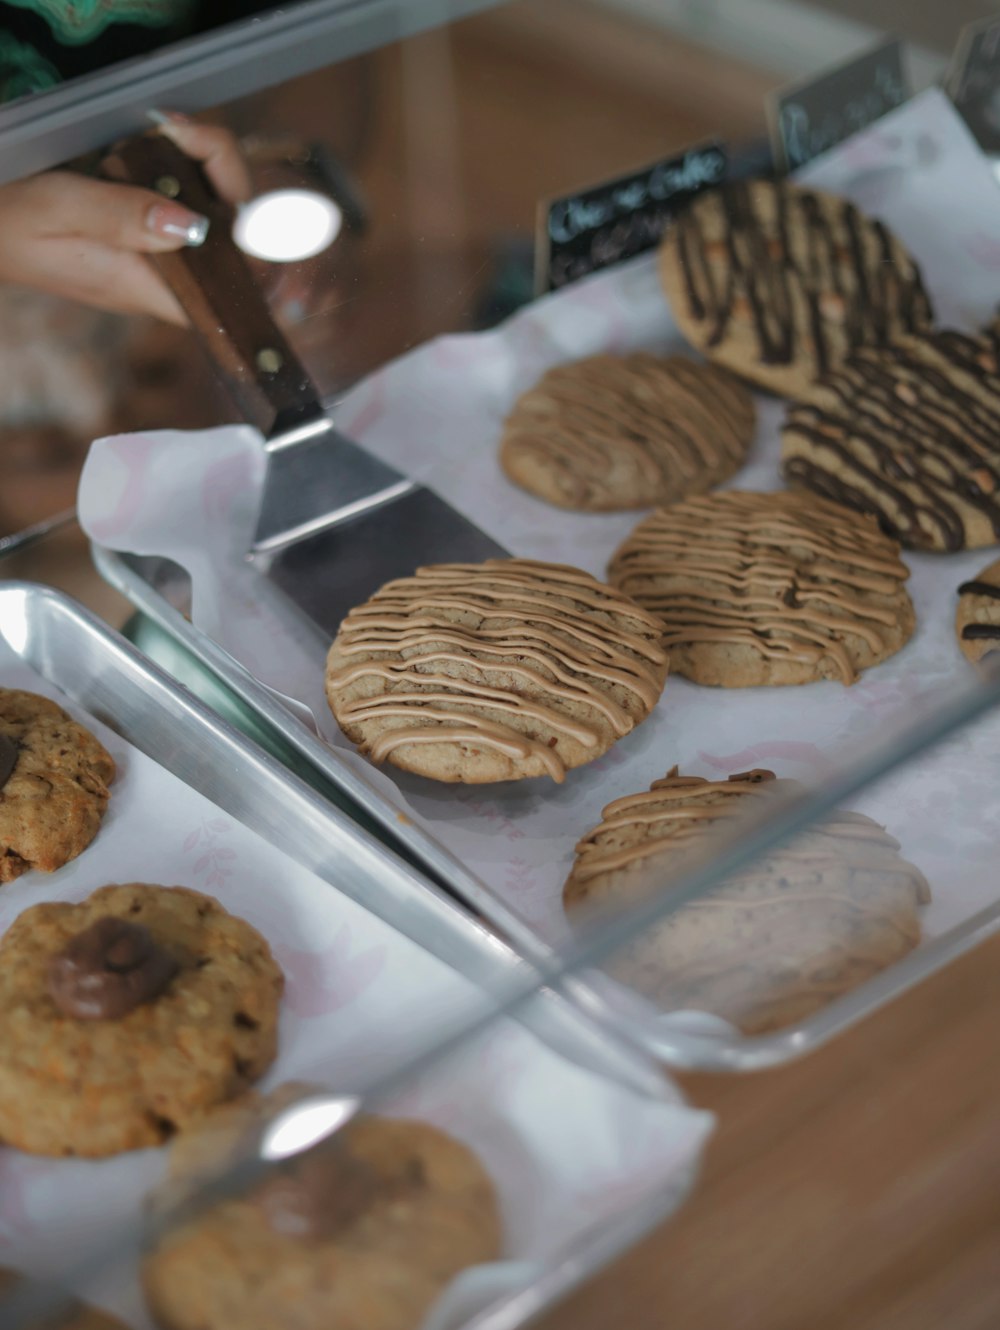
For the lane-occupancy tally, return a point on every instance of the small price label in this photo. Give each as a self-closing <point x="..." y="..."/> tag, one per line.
<point x="605" y="224"/>
<point x="973" y="81"/>
<point x="813" y="117"/>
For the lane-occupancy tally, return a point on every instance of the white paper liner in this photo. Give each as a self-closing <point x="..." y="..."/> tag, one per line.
<point x="566" y="1148"/>
<point x="437" y="415"/>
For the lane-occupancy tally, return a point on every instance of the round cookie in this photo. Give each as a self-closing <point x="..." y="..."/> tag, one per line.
<point x="910" y="433"/>
<point x="780" y="283"/>
<point x="363" y="1234"/>
<point x="779" y="940"/>
<point x="127" y="1016"/>
<point x="782" y="588"/>
<point x="494" y="671"/>
<point x="977" y="621"/>
<point x="617" y="432"/>
<point x="54" y="778"/>
<point x="77" y="1316"/>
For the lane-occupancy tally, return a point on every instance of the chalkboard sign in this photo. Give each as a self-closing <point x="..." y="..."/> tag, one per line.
<point x="973" y="81"/>
<point x="608" y="223"/>
<point x="812" y="117"/>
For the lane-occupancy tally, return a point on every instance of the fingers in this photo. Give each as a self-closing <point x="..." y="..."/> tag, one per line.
<point x="116" y="216"/>
<point x="105" y="278"/>
<point x="218" y="151"/>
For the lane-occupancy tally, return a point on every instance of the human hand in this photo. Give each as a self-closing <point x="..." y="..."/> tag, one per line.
<point x="85" y="239"/>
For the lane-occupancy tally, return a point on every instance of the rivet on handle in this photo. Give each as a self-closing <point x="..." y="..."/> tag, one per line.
<point x="269" y="361"/>
<point x="169" y="185"/>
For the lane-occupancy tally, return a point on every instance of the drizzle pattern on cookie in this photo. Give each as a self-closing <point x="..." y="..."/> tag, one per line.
<point x="791" y="576"/>
<point x="910" y="433"/>
<point x="524" y="658"/>
<point x="618" y="432"/>
<point x="811" y="274"/>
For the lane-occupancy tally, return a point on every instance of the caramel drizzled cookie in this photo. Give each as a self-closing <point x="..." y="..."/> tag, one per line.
<point x="810" y="921"/>
<point x="127" y="1016"/>
<point x="494" y="671"/>
<point x="767" y="588"/>
<point x="977" y="621"/>
<point x="910" y="433"/>
<point x="54" y="778"/>
<point x="780" y="283"/>
<point x="615" y="432"/>
<point x="77" y="1316"/>
<point x="364" y="1232"/>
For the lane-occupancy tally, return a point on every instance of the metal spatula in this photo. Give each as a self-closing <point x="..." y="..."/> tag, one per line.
<point x="335" y="522"/>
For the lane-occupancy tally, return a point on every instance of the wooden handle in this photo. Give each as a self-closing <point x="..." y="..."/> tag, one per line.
<point x="216" y="289"/>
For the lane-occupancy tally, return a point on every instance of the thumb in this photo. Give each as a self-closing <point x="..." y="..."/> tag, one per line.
<point x="121" y="217"/>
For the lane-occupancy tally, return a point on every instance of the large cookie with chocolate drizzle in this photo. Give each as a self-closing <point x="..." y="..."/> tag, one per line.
<point x="779" y="588"/>
<point x="127" y="1016"/>
<point x="780" y="283"/>
<point x="363" y="1234"/>
<point x="777" y="941"/>
<point x="494" y="671"/>
<point x="54" y="778"/>
<point x="910" y="433"/>
<point x="618" y="432"/>
<point x="977" y="621"/>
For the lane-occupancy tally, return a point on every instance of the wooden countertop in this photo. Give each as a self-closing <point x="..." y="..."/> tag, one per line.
<point x="857" y="1188"/>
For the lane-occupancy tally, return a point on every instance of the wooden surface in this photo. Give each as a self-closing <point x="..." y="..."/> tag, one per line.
<point x="858" y="1189"/>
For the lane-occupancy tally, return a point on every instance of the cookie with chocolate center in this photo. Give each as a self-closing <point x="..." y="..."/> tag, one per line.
<point x="494" y="671"/>
<point x="617" y="432"/>
<point x="781" y="283"/>
<point x="911" y="434"/>
<point x="777" y="941"/>
<point x="781" y="588"/>
<point x="126" y="1017"/>
<point x="365" y="1231"/>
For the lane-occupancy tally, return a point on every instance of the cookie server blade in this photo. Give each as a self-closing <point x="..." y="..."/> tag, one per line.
<point x="335" y="523"/>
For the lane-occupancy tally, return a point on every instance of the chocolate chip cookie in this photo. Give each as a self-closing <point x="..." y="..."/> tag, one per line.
<point x="494" y="671"/>
<point x="127" y="1016"/>
<point x="54" y="778"/>
<point x="779" y="588"/>
<point x="780" y="283"/>
<point x="977" y="621"/>
<point x="777" y="941"/>
<point x="910" y="433"/>
<point x="618" y="432"/>
<point x="362" y="1234"/>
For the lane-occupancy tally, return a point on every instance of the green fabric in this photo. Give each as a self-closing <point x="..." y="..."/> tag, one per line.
<point x="77" y="22"/>
<point x="22" y="69"/>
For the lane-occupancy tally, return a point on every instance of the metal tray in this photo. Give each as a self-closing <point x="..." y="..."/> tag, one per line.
<point x="101" y="672"/>
<point x="160" y="590"/>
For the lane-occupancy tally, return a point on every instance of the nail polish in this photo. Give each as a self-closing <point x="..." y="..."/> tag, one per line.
<point x="177" y="223"/>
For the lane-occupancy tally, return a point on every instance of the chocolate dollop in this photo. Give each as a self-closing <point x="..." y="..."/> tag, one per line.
<point x="317" y="1195"/>
<point x="108" y="970"/>
<point x="8" y="759"/>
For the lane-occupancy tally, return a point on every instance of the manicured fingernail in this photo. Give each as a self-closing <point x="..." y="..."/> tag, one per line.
<point x="176" y="223"/>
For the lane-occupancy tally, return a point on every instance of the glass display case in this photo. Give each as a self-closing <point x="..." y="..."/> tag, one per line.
<point x="508" y="280"/>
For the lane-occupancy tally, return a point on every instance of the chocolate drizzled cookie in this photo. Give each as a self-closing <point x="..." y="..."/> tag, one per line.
<point x="494" y="671"/>
<point x="910" y="433"/>
<point x="767" y="588"/>
<point x="780" y="283"/>
<point x="618" y="432"/>
<point x="977" y="621"/>
<point x="811" y="920"/>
